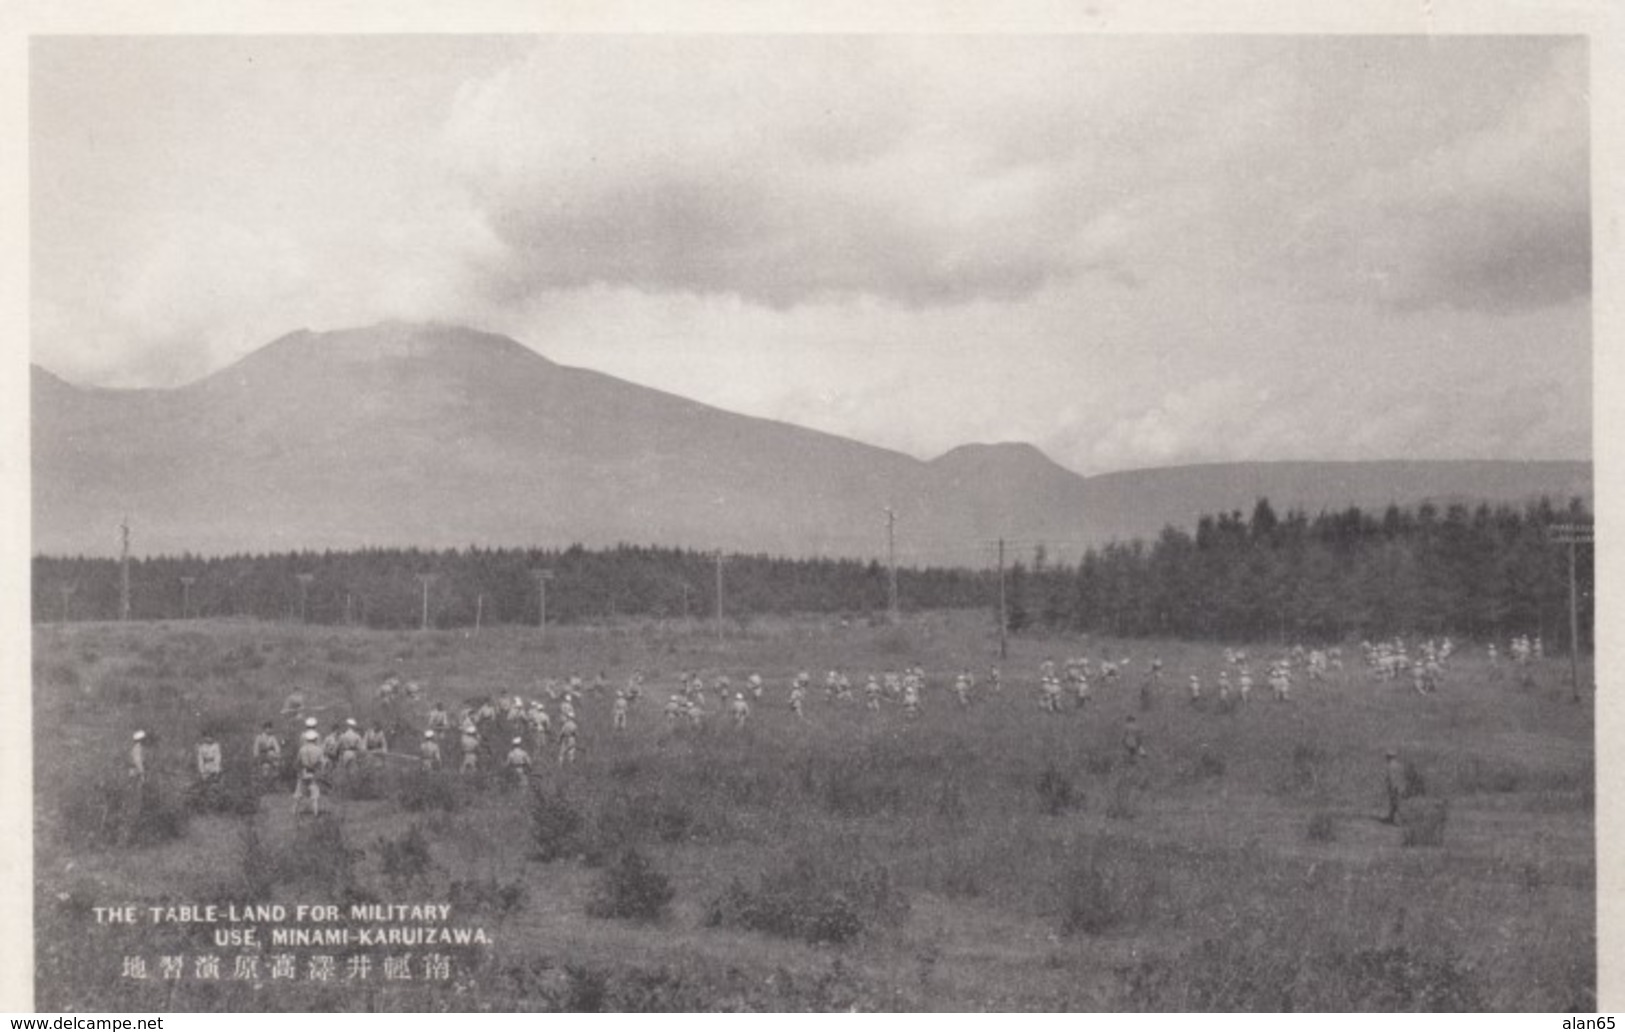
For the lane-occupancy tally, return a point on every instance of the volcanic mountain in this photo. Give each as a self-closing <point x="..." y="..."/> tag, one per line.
<point x="440" y="436"/>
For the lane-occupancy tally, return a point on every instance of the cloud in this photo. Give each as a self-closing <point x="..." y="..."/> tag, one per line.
<point x="1496" y="219"/>
<point x="793" y="171"/>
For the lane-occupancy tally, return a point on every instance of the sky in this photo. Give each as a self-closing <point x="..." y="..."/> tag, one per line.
<point x="1131" y="251"/>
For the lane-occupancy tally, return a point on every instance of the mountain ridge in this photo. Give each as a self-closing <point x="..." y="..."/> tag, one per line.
<point x="435" y="435"/>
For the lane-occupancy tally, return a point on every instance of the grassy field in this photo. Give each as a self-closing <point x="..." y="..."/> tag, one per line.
<point x="991" y="858"/>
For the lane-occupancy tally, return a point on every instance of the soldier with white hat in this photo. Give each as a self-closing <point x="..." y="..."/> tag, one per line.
<point x="429" y="751"/>
<point x="309" y="759"/>
<point x="518" y="761"/>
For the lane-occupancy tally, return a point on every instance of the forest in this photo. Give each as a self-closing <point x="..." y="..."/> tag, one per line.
<point x="1477" y="572"/>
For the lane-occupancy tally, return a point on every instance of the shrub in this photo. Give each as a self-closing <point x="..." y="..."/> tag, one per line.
<point x="1209" y="765"/>
<point x="1055" y="792"/>
<point x="1399" y="978"/>
<point x="1307" y="761"/>
<point x="631" y="888"/>
<point x="1415" y="784"/>
<point x="853" y="791"/>
<point x="1106" y="889"/>
<point x="487" y="895"/>
<point x="231" y="793"/>
<point x="1475" y="775"/>
<point x="423" y="790"/>
<point x="1120" y="804"/>
<point x="1422" y="822"/>
<point x="112" y="811"/>
<point x="1322" y="828"/>
<point x="555" y="825"/>
<point x="405" y="858"/>
<point x="812" y="902"/>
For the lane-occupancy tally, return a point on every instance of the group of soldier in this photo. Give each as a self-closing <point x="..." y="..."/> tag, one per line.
<point x="347" y="748"/>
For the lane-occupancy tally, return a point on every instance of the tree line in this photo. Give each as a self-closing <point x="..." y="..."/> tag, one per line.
<point x="1477" y="573"/>
<point x="1473" y="572"/>
<point x="382" y="588"/>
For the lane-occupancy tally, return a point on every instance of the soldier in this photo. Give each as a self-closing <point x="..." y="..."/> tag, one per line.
<point x="294" y="704"/>
<point x="375" y="744"/>
<point x="1494" y="657"/>
<point x="1224" y="691"/>
<point x="309" y="761"/>
<point x="962" y="688"/>
<point x="138" y="758"/>
<point x="267" y="750"/>
<point x="1051" y="700"/>
<point x="798" y="697"/>
<point x="756" y="686"/>
<point x="518" y="761"/>
<point x="567" y="742"/>
<point x="386" y="691"/>
<point x="696" y="714"/>
<point x="1080" y="687"/>
<point x="1196" y="690"/>
<point x="1244" y="685"/>
<point x="540" y="720"/>
<point x="330" y="747"/>
<point x="429" y="751"/>
<point x="618" y="714"/>
<point x="439" y="717"/>
<point x="871" y="693"/>
<point x="911" y="700"/>
<point x="1133" y="745"/>
<point x="993" y="680"/>
<point x="674" y="708"/>
<point x="413" y="690"/>
<point x="470" y="743"/>
<point x="208" y="758"/>
<point x="349" y="746"/>
<point x="739" y="709"/>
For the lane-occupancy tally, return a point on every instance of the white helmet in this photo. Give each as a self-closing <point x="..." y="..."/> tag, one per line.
<point x="517" y="742"/>
<point x="310" y="722"/>
<point x="139" y="736"/>
<point x="428" y="734"/>
<point x="311" y="736"/>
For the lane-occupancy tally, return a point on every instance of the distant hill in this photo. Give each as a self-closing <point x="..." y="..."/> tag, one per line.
<point x="437" y="436"/>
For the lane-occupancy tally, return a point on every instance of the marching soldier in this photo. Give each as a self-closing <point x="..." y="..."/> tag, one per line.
<point x="349" y="746"/>
<point x="310" y="760"/>
<point x="429" y="751"/>
<point x="375" y="744"/>
<point x="470" y="743"/>
<point x="567" y="742"/>
<point x="208" y="758"/>
<point x="138" y="758"/>
<point x="739" y="709"/>
<point x="267" y="750"/>
<point x="518" y="761"/>
<point x="618" y="714"/>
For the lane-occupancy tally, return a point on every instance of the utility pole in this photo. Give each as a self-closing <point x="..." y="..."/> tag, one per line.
<point x="186" y="596"/>
<point x="124" y="572"/>
<point x="67" y="593"/>
<point x="719" y="594"/>
<point x="891" y="561"/>
<point x="479" y="611"/>
<point x="542" y="577"/>
<point x="425" y="579"/>
<point x="304" y="580"/>
<point x="1574" y="535"/>
<point x="1004" y="622"/>
<point x="347" y="620"/>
